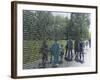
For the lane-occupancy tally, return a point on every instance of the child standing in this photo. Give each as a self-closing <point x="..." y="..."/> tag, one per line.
<point x="61" y="53"/>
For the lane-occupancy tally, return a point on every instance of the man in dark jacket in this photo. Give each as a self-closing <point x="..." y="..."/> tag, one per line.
<point x="70" y="47"/>
<point x="44" y="50"/>
<point x="76" y="49"/>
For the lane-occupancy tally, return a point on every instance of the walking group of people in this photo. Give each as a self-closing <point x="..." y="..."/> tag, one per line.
<point x="74" y="50"/>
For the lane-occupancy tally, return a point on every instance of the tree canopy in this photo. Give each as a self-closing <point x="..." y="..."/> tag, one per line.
<point x="39" y="25"/>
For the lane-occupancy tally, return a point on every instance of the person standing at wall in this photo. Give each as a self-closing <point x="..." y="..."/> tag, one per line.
<point x="76" y="50"/>
<point x="61" y="53"/>
<point x="55" y="51"/>
<point x="81" y="45"/>
<point x="70" y="48"/>
<point x="44" y="50"/>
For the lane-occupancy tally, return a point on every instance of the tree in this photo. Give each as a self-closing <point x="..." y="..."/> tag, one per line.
<point x="37" y="24"/>
<point x="79" y="26"/>
<point x="59" y="27"/>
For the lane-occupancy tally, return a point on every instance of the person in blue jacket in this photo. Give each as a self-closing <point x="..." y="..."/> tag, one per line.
<point x="81" y="51"/>
<point x="55" y="51"/>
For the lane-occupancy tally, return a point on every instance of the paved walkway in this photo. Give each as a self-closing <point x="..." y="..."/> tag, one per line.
<point x="73" y="63"/>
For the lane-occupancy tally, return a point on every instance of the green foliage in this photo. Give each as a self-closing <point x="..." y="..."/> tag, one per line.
<point x="32" y="52"/>
<point x="46" y="25"/>
<point x="33" y="49"/>
<point x="43" y="25"/>
<point x="79" y="26"/>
